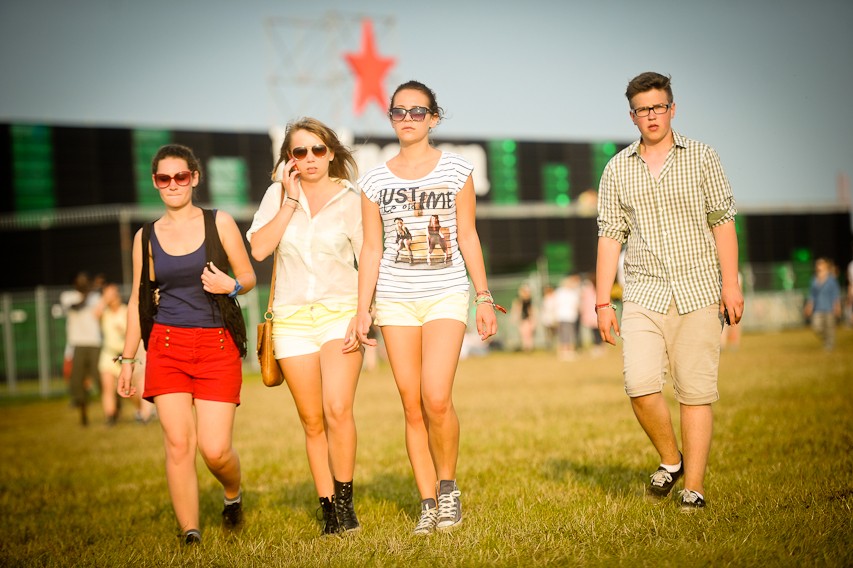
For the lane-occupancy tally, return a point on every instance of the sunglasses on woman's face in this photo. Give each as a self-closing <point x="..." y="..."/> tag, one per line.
<point x="162" y="181"/>
<point x="301" y="152"/>
<point x="418" y="114"/>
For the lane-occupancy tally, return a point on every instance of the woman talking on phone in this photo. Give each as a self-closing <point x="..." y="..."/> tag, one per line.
<point x="311" y="218"/>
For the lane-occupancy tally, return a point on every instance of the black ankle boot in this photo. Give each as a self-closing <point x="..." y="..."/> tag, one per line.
<point x="344" y="507"/>
<point x="330" y="517"/>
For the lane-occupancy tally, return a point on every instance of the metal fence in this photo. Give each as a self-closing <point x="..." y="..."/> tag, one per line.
<point x="34" y="340"/>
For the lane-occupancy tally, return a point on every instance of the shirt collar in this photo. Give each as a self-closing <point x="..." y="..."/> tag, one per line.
<point x="677" y="140"/>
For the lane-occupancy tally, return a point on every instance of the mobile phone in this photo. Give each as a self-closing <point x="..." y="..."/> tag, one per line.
<point x="726" y="317"/>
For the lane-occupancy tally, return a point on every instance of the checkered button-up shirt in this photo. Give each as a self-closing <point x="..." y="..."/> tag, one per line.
<point x="667" y="224"/>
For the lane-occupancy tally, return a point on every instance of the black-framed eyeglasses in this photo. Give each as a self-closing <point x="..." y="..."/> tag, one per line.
<point x="162" y="181"/>
<point x="301" y="152"/>
<point x="644" y="111"/>
<point x="418" y="114"/>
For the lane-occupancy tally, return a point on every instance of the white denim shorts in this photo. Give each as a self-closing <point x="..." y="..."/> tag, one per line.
<point x="418" y="312"/>
<point x="306" y="330"/>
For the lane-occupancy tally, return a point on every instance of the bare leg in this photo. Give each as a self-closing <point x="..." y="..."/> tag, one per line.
<point x="339" y="379"/>
<point x="109" y="398"/>
<point x="442" y="342"/>
<point x="653" y="414"/>
<point x="697" y="425"/>
<point x="215" y="432"/>
<point x="179" y="437"/>
<point x="302" y="374"/>
<point x="403" y="345"/>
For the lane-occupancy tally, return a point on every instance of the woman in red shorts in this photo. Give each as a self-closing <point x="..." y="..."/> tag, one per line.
<point x="183" y="307"/>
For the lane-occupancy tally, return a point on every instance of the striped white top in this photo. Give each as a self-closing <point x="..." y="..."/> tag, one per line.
<point x="667" y="223"/>
<point x="434" y="265"/>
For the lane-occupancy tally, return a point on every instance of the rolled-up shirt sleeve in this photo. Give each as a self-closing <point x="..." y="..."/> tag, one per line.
<point x="719" y="200"/>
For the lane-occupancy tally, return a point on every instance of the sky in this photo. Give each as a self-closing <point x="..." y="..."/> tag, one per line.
<point x="767" y="83"/>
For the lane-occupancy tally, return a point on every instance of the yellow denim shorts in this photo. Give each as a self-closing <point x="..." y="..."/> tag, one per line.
<point x="418" y="312"/>
<point x="306" y="330"/>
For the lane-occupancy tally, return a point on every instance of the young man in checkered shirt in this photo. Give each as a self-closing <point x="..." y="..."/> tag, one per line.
<point x="668" y="199"/>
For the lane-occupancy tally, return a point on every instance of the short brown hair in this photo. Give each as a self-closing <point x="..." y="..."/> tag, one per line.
<point x="649" y="81"/>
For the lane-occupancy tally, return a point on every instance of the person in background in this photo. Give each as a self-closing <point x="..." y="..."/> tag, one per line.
<point x="83" y="334"/>
<point x="850" y="293"/>
<point x="523" y="315"/>
<point x="823" y="305"/>
<point x="112" y="312"/>
<point x="547" y="314"/>
<point x="567" y="299"/>
<point x="668" y="198"/>
<point x="587" y="317"/>
<point x="194" y="335"/>
<point x="316" y="232"/>
<point x="422" y="309"/>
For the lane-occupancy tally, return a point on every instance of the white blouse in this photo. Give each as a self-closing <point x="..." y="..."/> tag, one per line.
<point x="318" y="253"/>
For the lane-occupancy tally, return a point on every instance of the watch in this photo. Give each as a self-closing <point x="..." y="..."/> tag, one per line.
<point x="237" y="287"/>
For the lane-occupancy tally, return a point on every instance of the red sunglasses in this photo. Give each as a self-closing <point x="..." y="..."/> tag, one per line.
<point x="162" y="181"/>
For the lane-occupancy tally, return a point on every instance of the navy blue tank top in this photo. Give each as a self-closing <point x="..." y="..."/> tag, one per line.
<point x="183" y="302"/>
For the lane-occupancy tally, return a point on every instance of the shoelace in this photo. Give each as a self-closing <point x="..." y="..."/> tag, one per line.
<point x="427" y="520"/>
<point x="447" y="504"/>
<point x="661" y="477"/>
<point x="688" y="496"/>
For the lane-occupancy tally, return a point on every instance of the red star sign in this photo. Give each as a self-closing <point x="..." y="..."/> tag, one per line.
<point x="370" y="69"/>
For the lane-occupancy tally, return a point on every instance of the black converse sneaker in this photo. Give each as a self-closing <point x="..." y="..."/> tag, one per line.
<point x="429" y="517"/>
<point x="662" y="481"/>
<point x="191" y="537"/>
<point x="691" y="500"/>
<point x="232" y="516"/>
<point x="449" y="505"/>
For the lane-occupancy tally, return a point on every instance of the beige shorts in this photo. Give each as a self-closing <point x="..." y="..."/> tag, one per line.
<point x="418" y="312"/>
<point x="687" y="347"/>
<point x="306" y="330"/>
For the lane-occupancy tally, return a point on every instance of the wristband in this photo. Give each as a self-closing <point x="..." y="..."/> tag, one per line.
<point x="610" y="305"/>
<point x="486" y="298"/>
<point x="237" y="287"/>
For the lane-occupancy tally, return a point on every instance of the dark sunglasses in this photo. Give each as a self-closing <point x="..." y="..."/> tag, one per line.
<point x="418" y="114"/>
<point x="162" y="181"/>
<point x="300" y="152"/>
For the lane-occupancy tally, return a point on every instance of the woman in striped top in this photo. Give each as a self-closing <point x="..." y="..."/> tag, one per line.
<point x="421" y="306"/>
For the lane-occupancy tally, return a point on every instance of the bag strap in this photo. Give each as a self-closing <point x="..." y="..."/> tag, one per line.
<point x="274" y="261"/>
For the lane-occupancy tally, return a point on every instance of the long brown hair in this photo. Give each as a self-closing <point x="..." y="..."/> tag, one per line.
<point x="342" y="167"/>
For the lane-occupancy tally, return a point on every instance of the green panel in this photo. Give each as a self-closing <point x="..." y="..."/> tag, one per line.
<point x="228" y="181"/>
<point x="600" y="154"/>
<point x="560" y="257"/>
<point x="802" y="263"/>
<point x="32" y="167"/>
<point x="555" y="184"/>
<point x="503" y="171"/>
<point x="742" y="246"/>
<point x="145" y="145"/>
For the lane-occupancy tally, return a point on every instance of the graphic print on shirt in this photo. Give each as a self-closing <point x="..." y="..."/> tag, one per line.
<point x="419" y="233"/>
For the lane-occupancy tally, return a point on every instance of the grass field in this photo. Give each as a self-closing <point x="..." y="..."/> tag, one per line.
<point x="552" y="470"/>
